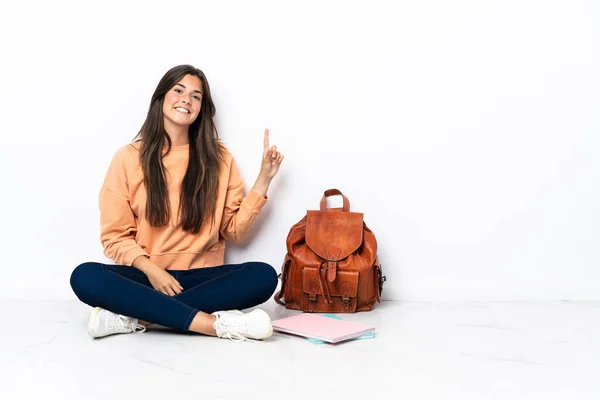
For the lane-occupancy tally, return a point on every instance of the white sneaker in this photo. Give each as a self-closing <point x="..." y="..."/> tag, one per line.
<point x="238" y="326"/>
<point x="103" y="323"/>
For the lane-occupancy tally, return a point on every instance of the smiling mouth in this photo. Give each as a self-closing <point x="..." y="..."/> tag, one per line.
<point x="181" y="110"/>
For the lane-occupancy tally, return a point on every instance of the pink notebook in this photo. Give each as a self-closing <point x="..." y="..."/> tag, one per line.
<point x="322" y="328"/>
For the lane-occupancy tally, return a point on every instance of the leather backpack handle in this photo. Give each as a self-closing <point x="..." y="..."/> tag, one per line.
<point x="333" y="192"/>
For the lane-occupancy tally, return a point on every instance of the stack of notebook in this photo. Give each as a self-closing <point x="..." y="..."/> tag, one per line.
<point x="325" y="328"/>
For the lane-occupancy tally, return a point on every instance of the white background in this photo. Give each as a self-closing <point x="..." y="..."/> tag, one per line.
<point x="466" y="131"/>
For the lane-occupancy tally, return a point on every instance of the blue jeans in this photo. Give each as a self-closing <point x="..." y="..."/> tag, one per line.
<point x="126" y="290"/>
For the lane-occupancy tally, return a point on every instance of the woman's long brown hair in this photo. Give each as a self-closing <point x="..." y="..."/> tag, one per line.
<point x="201" y="180"/>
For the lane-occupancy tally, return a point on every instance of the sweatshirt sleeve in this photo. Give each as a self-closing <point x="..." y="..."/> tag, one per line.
<point x="117" y="221"/>
<point x="239" y="212"/>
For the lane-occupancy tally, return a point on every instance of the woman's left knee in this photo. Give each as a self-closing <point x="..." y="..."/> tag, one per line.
<point x="267" y="275"/>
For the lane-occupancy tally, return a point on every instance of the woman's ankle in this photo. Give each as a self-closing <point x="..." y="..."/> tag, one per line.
<point x="203" y="323"/>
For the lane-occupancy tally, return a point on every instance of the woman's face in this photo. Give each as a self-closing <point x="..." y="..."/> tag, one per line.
<point x="181" y="105"/>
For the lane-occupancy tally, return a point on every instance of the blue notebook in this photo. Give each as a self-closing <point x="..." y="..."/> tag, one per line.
<point x="368" y="335"/>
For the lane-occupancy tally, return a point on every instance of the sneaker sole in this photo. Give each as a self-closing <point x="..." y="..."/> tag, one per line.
<point x="92" y="321"/>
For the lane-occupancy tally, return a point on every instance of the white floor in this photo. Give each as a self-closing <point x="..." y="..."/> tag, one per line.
<point x="422" y="351"/>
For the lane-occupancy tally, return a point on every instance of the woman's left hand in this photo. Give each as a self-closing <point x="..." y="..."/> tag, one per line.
<point x="271" y="159"/>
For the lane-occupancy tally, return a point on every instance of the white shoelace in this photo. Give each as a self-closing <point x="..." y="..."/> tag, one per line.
<point x="232" y="331"/>
<point x="126" y="324"/>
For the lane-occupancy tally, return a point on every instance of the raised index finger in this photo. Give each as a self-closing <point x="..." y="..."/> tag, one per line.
<point x="266" y="140"/>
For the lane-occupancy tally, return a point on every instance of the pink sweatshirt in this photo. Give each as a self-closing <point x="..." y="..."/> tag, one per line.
<point x="126" y="234"/>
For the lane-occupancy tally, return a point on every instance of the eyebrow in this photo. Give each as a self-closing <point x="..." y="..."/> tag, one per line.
<point x="183" y="86"/>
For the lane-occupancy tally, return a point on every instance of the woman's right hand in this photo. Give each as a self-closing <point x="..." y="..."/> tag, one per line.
<point x="160" y="279"/>
<point x="164" y="282"/>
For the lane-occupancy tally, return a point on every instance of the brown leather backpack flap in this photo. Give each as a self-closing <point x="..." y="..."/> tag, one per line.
<point x="342" y="291"/>
<point x="334" y="235"/>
